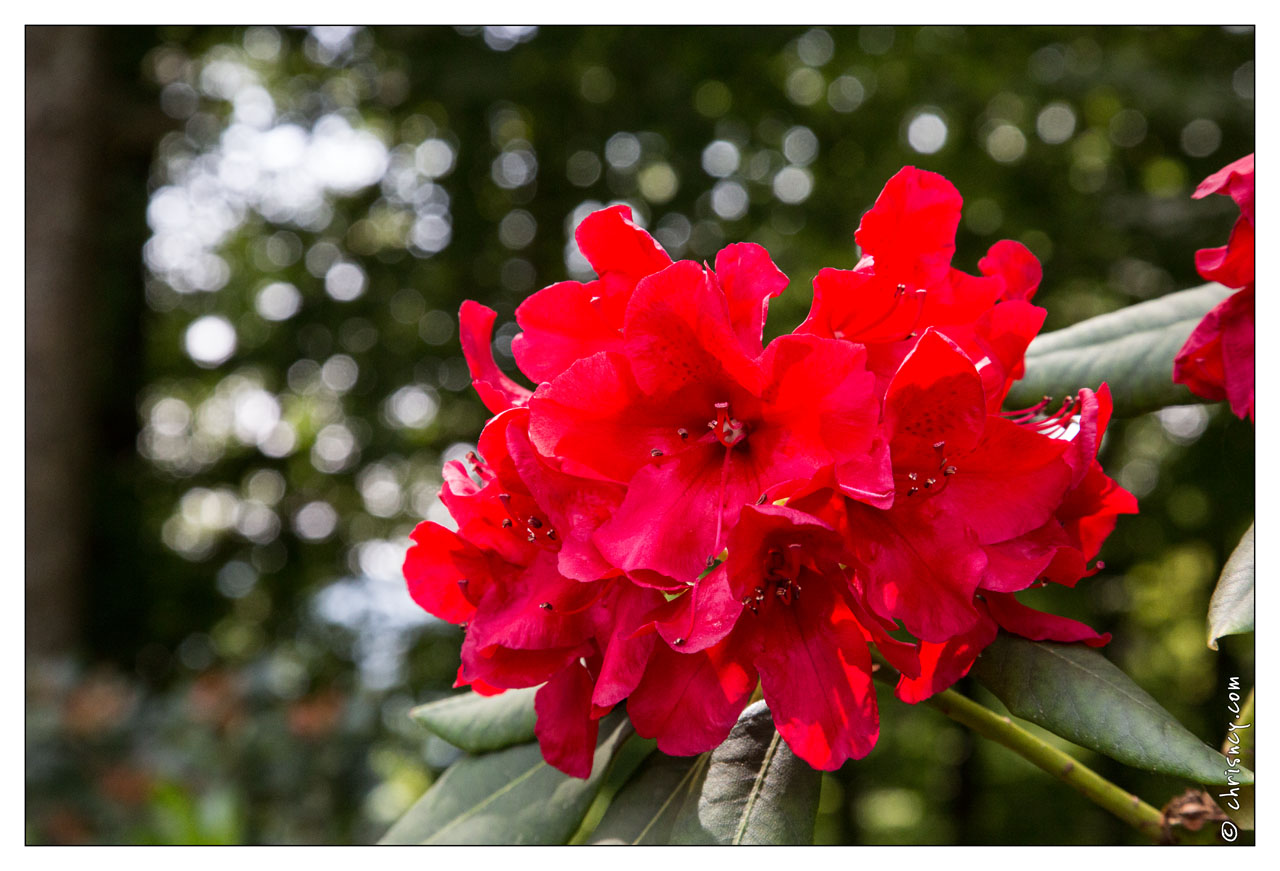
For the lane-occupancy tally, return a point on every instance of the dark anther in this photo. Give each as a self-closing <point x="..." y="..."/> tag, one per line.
<point x="462" y="582"/>
<point x="760" y="501"/>
<point x="913" y="491"/>
<point x="929" y="482"/>
<point x="949" y="471"/>
<point x="551" y="534"/>
<point x="684" y="433"/>
<point x="902" y="288"/>
<point x="532" y="538"/>
<point x="655" y="453"/>
<point x="711" y="562"/>
<point x="679" y="642"/>
<point x="911" y="476"/>
<point x="535" y="523"/>
<point x="545" y="606"/>
<point x="505" y="497"/>
<point x="506" y="523"/>
<point x="937" y="446"/>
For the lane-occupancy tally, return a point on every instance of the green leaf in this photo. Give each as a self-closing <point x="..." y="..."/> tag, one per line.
<point x="480" y="724"/>
<point x="1150" y="315"/>
<point x="634" y="751"/>
<point x="1231" y="608"/>
<point x="508" y="797"/>
<point x="756" y="791"/>
<point x="1075" y="692"/>
<point x="643" y="812"/>
<point x="1131" y="349"/>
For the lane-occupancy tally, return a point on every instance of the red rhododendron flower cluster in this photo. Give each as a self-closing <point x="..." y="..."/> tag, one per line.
<point x="678" y="514"/>
<point x="1217" y="360"/>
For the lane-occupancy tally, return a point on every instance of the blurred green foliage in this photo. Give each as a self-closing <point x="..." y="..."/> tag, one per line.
<point x="326" y="198"/>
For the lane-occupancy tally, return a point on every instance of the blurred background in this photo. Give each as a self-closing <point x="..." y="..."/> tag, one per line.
<point x="246" y="249"/>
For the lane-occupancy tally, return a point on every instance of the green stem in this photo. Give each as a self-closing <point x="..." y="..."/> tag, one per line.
<point x="1093" y="786"/>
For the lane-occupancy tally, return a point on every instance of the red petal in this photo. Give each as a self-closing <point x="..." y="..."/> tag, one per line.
<point x="514" y="669"/>
<point x="1235" y="180"/>
<point x="942" y="664"/>
<point x="1216" y="361"/>
<point x="1016" y="266"/>
<point x="1088" y="513"/>
<point x="996" y="343"/>
<point x="960" y="299"/>
<point x="1016" y="564"/>
<point x="749" y="279"/>
<point x="678" y="332"/>
<point x="626" y="652"/>
<point x="478" y="686"/>
<point x="1010" y="484"/>
<point x="1017" y="618"/>
<point x="575" y="507"/>
<point x="911" y="230"/>
<point x="475" y="329"/>
<point x="918" y="565"/>
<point x="860" y="306"/>
<point x="595" y="420"/>
<point x="868" y="477"/>
<point x="516" y="614"/>
<point x="690" y="701"/>
<point x="565" y="729"/>
<point x="562" y="324"/>
<point x="434" y="565"/>
<point x="701" y="617"/>
<point x="902" y="655"/>
<point x="673" y="509"/>
<point x="935" y="396"/>
<point x="1232" y="266"/>
<point x="1237" y="351"/>
<point x="815" y="672"/>
<point x="818" y="407"/>
<point x="618" y="250"/>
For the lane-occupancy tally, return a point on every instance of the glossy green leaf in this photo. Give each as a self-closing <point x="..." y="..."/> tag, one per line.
<point x="480" y="724"/>
<point x="1149" y="315"/>
<point x="508" y="797"/>
<point x="756" y="791"/>
<point x="1231" y="608"/>
<point x="1075" y="692"/>
<point x="1132" y="350"/>
<point x="645" y="809"/>
<point x="633" y="752"/>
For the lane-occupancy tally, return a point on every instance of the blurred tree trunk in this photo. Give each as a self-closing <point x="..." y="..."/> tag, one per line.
<point x="64" y="92"/>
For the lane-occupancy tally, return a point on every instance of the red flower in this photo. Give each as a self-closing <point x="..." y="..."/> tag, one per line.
<point x="782" y="608"/>
<point x="510" y="575"/>
<point x="678" y="514"/>
<point x="905" y="283"/>
<point x="963" y="480"/>
<point x="1089" y="509"/>
<point x="695" y="423"/>
<point x="1217" y="360"/>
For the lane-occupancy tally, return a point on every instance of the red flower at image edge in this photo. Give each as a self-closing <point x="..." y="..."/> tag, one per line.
<point x="1217" y="360"/>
